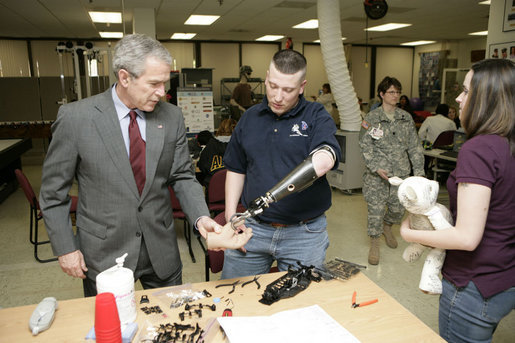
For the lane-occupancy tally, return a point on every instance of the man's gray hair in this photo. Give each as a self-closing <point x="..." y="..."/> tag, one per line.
<point x="131" y="52"/>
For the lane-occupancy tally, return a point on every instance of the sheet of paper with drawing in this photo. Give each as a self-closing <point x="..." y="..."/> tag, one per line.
<point x="308" y="324"/>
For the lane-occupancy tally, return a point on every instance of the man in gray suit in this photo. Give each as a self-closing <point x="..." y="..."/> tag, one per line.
<point x="119" y="212"/>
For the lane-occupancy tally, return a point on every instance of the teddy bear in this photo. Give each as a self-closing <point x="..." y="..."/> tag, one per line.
<point x="418" y="195"/>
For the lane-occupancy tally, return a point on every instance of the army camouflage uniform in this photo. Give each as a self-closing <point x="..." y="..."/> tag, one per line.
<point x="393" y="152"/>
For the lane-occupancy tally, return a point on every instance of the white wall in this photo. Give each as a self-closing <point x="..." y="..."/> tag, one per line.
<point x="495" y="25"/>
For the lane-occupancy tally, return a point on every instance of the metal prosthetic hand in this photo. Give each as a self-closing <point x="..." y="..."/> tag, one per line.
<point x="297" y="180"/>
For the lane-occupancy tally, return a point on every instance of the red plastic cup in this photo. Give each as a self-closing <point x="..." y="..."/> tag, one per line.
<point x="107" y="321"/>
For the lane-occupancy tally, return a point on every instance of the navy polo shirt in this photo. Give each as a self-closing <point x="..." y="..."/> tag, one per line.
<point x="266" y="147"/>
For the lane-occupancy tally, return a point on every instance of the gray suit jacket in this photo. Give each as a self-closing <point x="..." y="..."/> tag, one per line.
<point x="87" y="144"/>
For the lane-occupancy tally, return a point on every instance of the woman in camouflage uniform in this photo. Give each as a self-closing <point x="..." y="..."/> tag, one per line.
<point x="390" y="147"/>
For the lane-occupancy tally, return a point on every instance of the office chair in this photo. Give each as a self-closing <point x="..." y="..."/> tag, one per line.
<point x="178" y="213"/>
<point x="36" y="215"/>
<point x="216" y="192"/>
<point x="444" y="139"/>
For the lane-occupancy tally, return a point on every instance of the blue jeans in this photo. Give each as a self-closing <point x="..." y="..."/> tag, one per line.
<point x="305" y="242"/>
<point x="465" y="316"/>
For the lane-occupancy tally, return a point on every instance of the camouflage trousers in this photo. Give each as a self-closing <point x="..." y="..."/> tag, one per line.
<point x="382" y="203"/>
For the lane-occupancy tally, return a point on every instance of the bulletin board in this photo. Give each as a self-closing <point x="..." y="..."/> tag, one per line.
<point x="197" y="109"/>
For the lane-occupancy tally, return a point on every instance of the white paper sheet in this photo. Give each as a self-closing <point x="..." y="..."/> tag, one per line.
<point x="308" y="324"/>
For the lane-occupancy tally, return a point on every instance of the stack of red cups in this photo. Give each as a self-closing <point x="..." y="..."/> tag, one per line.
<point x="107" y="321"/>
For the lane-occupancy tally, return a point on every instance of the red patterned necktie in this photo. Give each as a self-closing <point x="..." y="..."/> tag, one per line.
<point x="137" y="152"/>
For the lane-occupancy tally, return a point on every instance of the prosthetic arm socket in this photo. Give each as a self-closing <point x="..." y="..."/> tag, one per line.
<point x="297" y="180"/>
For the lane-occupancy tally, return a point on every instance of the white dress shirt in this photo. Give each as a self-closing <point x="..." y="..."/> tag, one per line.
<point x="123" y="116"/>
<point x="433" y="126"/>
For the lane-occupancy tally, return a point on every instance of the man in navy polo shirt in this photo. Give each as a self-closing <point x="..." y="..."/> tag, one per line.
<point x="270" y="140"/>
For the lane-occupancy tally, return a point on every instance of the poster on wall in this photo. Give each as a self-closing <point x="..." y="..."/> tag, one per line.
<point x="429" y="77"/>
<point x="197" y="109"/>
<point x="509" y="15"/>
<point x="502" y="50"/>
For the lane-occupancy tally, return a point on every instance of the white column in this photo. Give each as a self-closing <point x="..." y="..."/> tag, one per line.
<point x="144" y="21"/>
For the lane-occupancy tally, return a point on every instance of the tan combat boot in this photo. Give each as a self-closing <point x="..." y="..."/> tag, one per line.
<point x="373" y="253"/>
<point x="388" y="235"/>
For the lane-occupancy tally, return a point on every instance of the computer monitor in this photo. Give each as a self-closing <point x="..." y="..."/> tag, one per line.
<point x="342" y="140"/>
<point x="199" y="77"/>
<point x="459" y="139"/>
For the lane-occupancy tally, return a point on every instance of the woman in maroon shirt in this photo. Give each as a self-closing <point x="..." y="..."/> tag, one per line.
<point x="479" y="269"/>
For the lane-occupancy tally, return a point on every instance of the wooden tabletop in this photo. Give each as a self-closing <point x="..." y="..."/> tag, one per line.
<point x="384" y="321"/>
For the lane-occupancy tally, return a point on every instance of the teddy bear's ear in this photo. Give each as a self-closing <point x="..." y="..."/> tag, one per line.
<point x="395" y="180"/>
<point x="410" y="194"/>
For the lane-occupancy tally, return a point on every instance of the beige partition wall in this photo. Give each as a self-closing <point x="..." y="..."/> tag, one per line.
<point x="224" y="59"/>
<point x="183" y="54"/>
<point x="315" y="75"/>
<point x="45" y="59"/>
<point x="360" y="72"/>
<point x="398" y="63"/>
<point x="258" y="56"/>
<point x="14" y="58"/>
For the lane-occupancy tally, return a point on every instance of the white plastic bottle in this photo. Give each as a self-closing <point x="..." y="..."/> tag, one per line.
<point x="120" y="281"/>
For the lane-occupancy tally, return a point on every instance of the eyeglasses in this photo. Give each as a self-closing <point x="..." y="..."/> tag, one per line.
<point x="393" y="93"/>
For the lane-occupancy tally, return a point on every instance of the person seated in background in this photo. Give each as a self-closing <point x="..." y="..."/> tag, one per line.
<point x="453" y="115"/>
<point x="405" y="105"/>
<point x="327" y="99"/>
<point x="225" y="130"/>
<point x="242" y="93"/>
<point x="434" y="125"/>
<point x="211" y="157"/>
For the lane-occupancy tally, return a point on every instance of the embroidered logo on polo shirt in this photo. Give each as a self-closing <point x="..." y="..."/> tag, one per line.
<point x="295" y="129"/>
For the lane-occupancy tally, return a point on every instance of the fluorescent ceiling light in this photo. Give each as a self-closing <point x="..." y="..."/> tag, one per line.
<point x="487" y="2"/>
<point x="197" y="19"/>
<point x="270" y="38"/>
<point x="310" y="24"/>
<point x="387" y="27"/>
<point x="106" y="17"/>
<point x="178" y="35"/>
<point x="419" y="42"/>
<point x="106" y="34"/>
<point x="318" y="40"/>
<point x="479" y="33"/>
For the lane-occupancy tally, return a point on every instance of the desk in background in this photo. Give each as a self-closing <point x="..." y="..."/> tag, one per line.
<point x="384" y="321"/>
<point x="10" y="159"/>
<point x="26" y="129"/>
<point x="436" y="154"/>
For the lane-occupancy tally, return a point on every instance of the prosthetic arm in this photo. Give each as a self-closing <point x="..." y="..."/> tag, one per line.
<point x="297" y="180"/>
